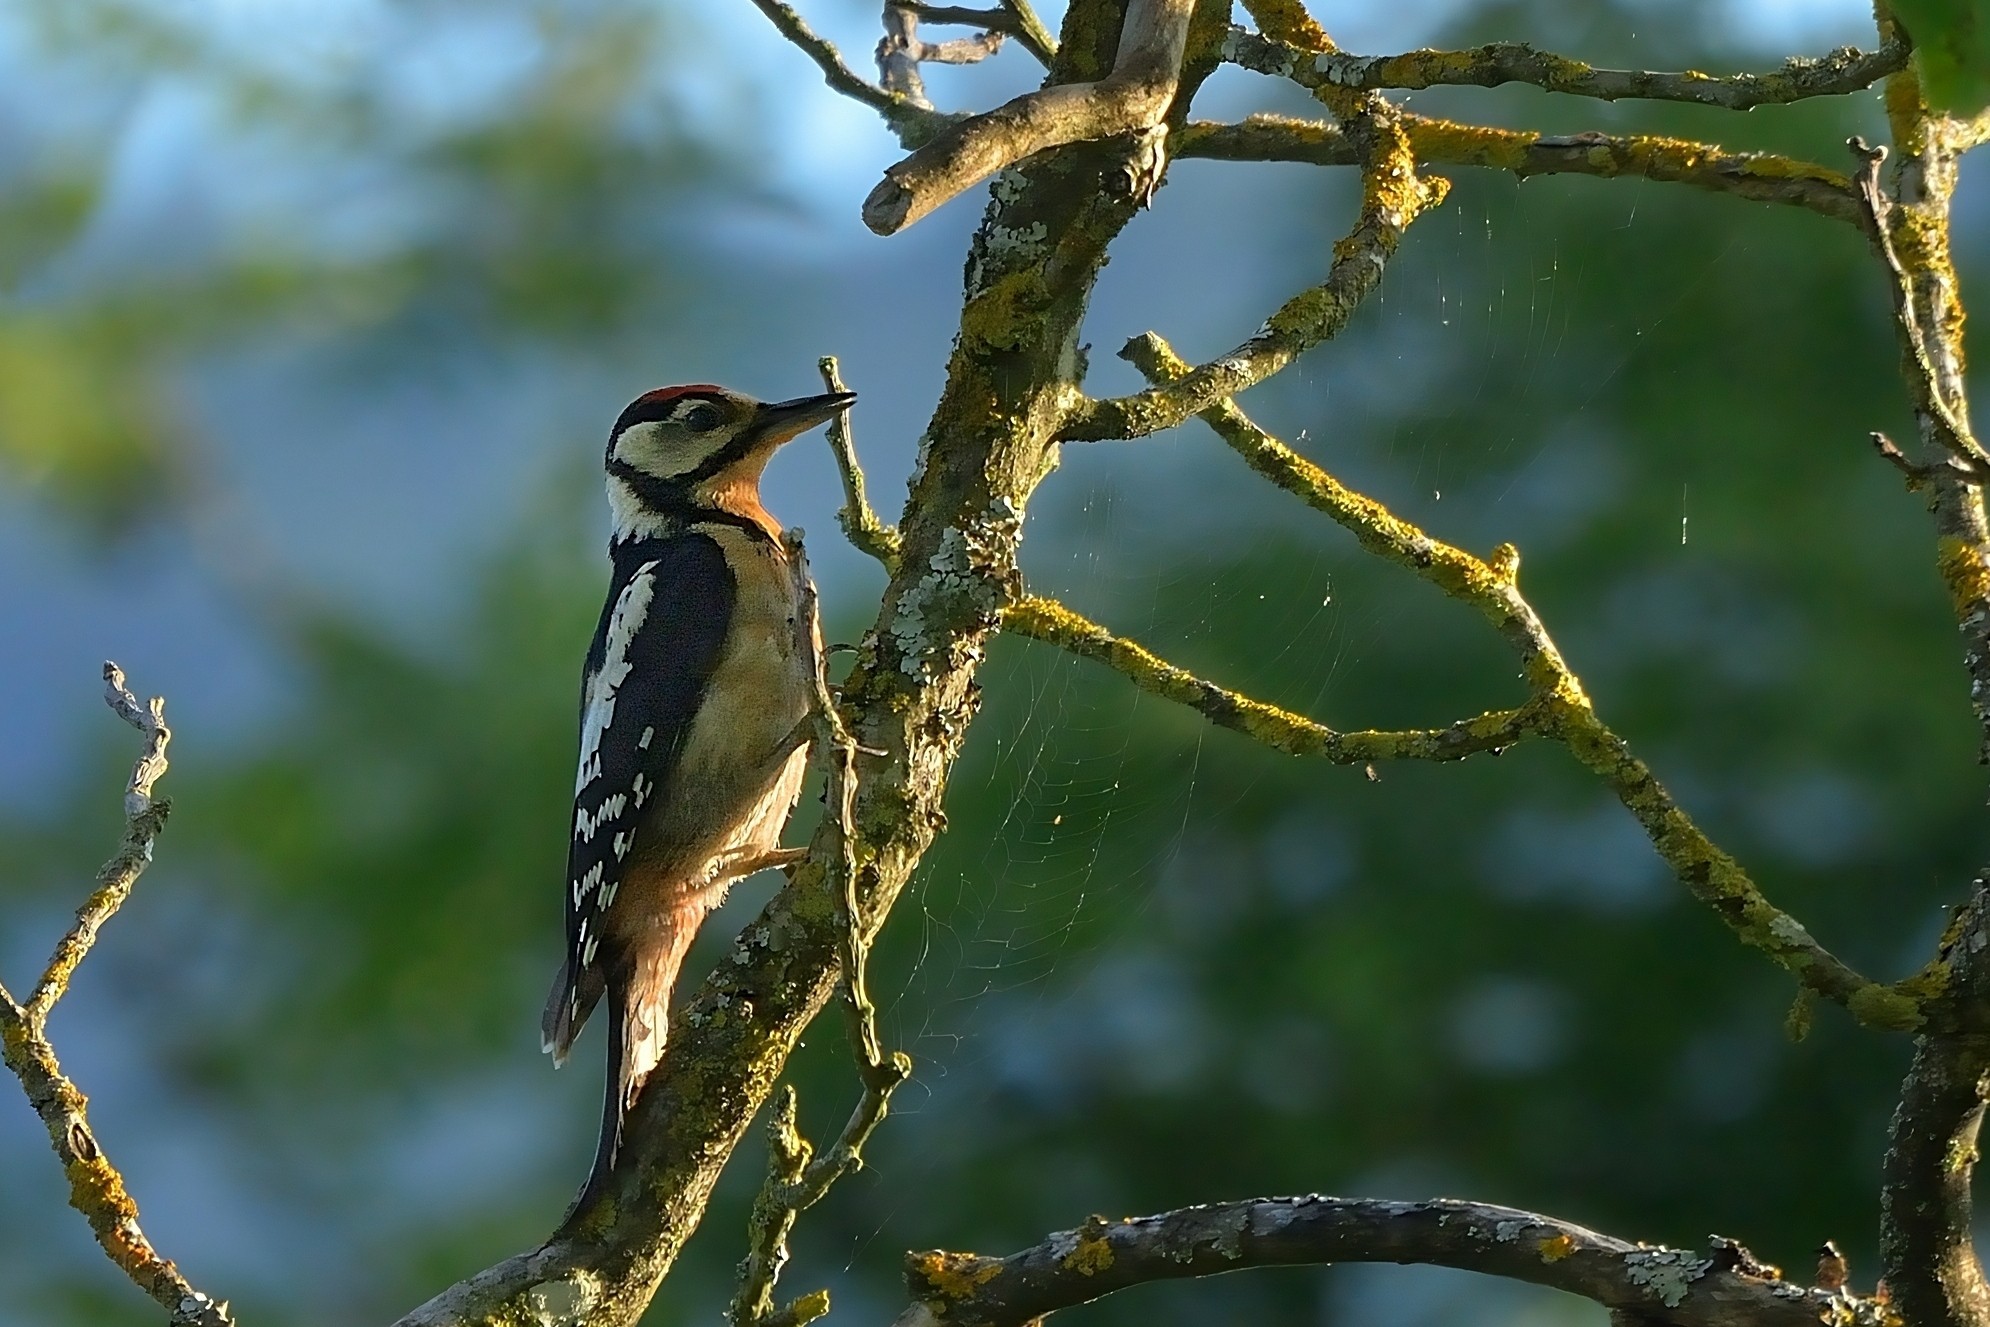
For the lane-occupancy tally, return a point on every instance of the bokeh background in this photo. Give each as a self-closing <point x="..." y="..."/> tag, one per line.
<point x="312" y="316"/>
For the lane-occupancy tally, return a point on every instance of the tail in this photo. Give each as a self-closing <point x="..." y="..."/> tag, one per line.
<point x="639" y="1021"/>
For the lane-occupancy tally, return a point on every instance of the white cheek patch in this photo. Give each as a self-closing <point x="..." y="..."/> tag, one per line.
<point x="631" y="608"/>
<point x="651" y="450"/>
<point x="631" y="519"/>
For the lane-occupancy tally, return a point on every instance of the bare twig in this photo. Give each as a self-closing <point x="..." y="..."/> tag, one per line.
<point x="795" y="1182"/>
<point x="1758" y="176"/>
<point x="144" y="818"/>
<point x="1281" y="730"/>
<point x="96" y="1188"/>
<point x="1562" y="710"/>
<point x="1393" y="196"/>
<point x="861" y="525"/>
<point x="914" y="121"/>
<point x="901" y="51"/>
<point x="1134" y="96"/>
<point x="1014" y="18"/>
<point x="1647" y="1284"/>
<point x="1842" y="71"/>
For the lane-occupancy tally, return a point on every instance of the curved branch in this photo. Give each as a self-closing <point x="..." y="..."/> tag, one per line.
<point x="1133" y="97"/>
<point x="1649" y="1285"/>
<point x="1052" y="623"/>
<point x="1842" y="71"/>
<point x="1762" y="177"/>
<point x="913" y="122"/>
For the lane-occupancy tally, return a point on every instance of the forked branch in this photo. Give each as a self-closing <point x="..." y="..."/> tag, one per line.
<point x="1130" y="99"/>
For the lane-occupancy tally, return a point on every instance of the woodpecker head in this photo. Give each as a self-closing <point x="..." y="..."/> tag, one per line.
<point x="679" y="450"/>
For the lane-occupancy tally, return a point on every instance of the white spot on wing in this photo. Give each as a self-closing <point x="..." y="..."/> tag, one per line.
<point x="631" y="608"/>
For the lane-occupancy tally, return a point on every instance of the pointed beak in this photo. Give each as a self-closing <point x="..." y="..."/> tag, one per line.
<point x="781" y="420"/>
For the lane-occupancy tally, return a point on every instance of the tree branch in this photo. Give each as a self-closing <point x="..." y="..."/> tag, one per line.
<point x="1015" y="19"/>
<point x="1758" y="176"/>
<point x="1052" y="623"/>
<point x="1842" y="71"/>
<point x="1564" y="710"/>
<point x="1393" y="196"/>
<point x="1927" y="1230"/>
<point x="901" y="51"/>
<point x="1648" y="1285"/>
<point x="96" y="1188"/>
<point x="1132" y="98"/>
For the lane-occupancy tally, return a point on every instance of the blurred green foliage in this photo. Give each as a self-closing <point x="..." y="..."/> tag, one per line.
<point x="1149" y="964"/>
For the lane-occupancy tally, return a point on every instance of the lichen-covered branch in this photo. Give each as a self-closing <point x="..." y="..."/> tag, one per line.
<point x="1842" y="71"/>
<point x="1130" y="99"/>
<point x="1920" y="270"/>
<point x="1647" y="1284"/>
<point x="913" y="121"/>
<point x="96" y="1188"/>
<point x="1562" y="709"/>
<point x="1052" y="623"/>
<point x="1392" y="197"/>
<point x="1762" y="177"/>
<point x="860" y="523"/>
<point x="1927" y="1226"/>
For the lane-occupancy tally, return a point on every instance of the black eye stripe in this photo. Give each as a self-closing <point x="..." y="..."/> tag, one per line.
<point x="650" y="409"/>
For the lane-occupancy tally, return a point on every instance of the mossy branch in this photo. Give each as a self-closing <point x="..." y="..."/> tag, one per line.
<point x="1762" y="177"/>
<point x="1392" y="197"/>
<point x="96" y="1187"/>
<point x="1052" y="623"/>
<point x="1842" y="71"/>
<point x="1640" y="1283"/>
<point x="1491" y="586"/>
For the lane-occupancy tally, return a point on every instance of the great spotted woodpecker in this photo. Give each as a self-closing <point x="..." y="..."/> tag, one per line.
<point x="695" y="707"/>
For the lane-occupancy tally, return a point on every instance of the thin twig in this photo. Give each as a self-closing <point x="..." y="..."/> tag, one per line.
<point x="795" y="1182"/>
<point x="1646" y="1284"/>
<point x="1052" y="623"/>
<point x="901" y="51"/>
<point x="1031" y="31"/>
<point x="915" y="123"/>
<point x="96" y="1188"/>
<point x="1842" y="71"/>
<point x="861" y="525"/>
<point x="1563" y="710"/>
<point x="144" y="818"/>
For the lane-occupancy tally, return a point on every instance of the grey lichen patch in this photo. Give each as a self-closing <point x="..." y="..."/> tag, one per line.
<point x="1227" y="1232"/>
<point x="966" y="582"/>
<point x="558" y="1303"/>
<point x="1004" y="249"/>
<point x="1666" y="1274"/>
<point x="1510" y="1230"/>
<point x="1790" y="931"/>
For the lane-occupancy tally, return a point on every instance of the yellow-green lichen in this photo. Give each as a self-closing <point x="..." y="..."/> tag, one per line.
<point x="1092" y="1254"/>
<point x="1965" y="572"/>
<point x="952" y="1276"/>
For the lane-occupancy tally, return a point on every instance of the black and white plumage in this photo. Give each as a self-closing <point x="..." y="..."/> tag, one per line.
<point x="695" y="706"/>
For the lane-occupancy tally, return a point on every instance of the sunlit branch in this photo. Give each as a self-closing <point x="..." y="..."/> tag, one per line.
<point x="914" y="123"/>
<point x="96" y="1188"/>
<point x="1639" y="1283"/>
<point x="860" y="523"/>
<point x="1842" y="71"/>
<point x="1393" y="196"/>
<point x="902" y="50"/>
<point x="1130" y="99"/>
<point x="1052" y="623"/>
<point x="1759" y="176"/>
<point x="1492" y="587"/>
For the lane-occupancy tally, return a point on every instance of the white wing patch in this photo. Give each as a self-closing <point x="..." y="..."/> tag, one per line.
<point x="631" y="607"/>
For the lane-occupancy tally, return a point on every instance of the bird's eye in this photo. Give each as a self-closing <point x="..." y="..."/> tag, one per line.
<point x="702" y="418"/>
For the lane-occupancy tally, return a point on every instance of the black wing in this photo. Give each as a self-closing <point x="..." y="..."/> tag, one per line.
<point x="654" y="652"/>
